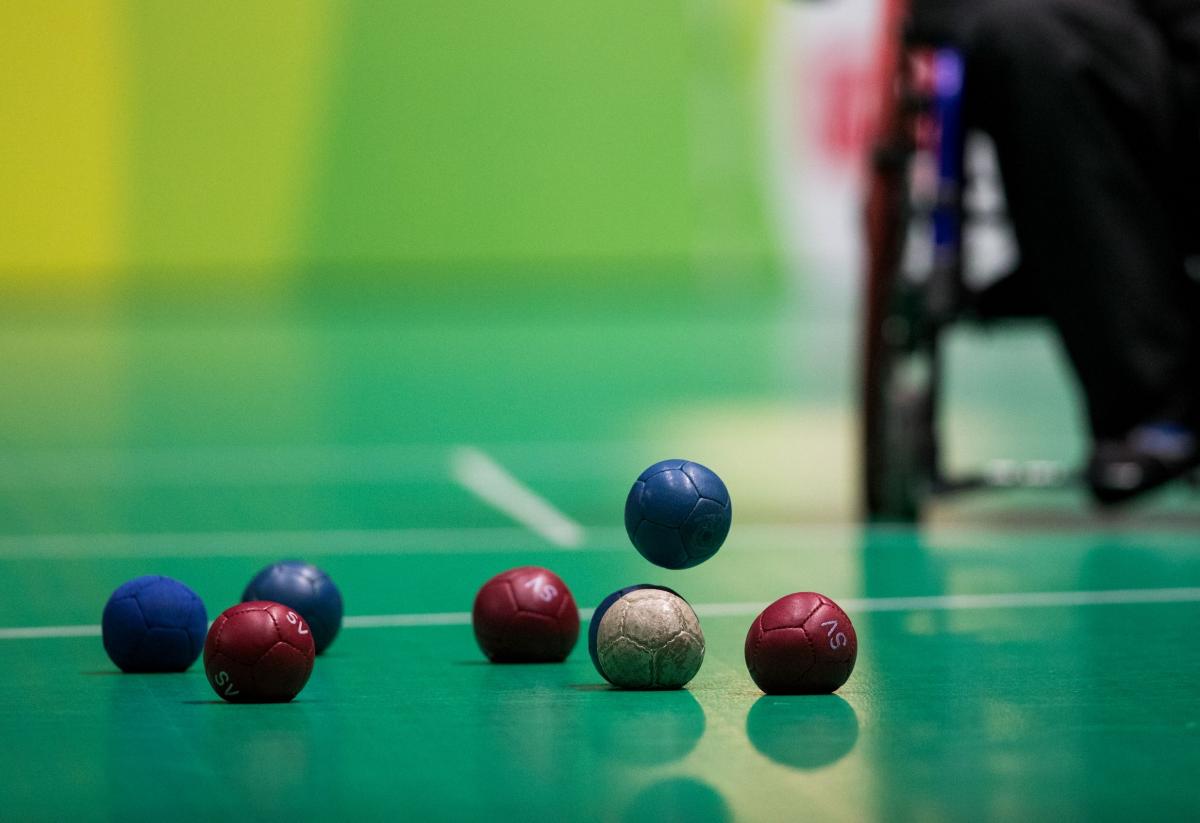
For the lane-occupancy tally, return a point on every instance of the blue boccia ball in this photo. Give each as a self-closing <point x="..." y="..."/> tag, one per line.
<point x="602" y="609"/>
<point x="305" y="588"/>
<point x="153" y="624"/>
<point x="678" y="513"/>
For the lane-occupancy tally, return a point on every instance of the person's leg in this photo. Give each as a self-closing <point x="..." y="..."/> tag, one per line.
<point x="1179" y="23"/>
<point x="1077" y="95"/>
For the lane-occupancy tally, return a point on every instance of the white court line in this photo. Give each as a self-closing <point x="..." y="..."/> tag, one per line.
<point x="386" y="621"/>
<point x="948" y="602"/>
<point x="957" y="602"/>
<point x="492" y="483"/>
<point x="469" y="540"/>
<point x="38" y="632"/>
<point x="434" y="540"/>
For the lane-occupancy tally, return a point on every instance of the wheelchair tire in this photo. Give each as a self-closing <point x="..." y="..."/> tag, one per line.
<point x="900" y="463"/>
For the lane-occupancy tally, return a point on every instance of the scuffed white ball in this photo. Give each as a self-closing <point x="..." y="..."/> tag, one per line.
<point x="649" y="639"/>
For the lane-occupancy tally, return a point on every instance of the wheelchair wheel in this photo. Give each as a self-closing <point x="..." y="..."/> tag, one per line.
<point x="909" y="302"/>
<point x="901" y="456"/>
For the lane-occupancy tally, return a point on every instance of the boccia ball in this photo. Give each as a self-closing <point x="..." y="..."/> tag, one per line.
<point x="646" y="637"/>
<point x="259" y="652"/>
<point x="801" y="644"/>
<point x="678" y="514"/>
<point x="525" y="615"/>
<point x="153" y="624"/>
<point x="305" y="588"/>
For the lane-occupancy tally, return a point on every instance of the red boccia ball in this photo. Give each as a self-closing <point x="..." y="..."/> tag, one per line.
<point x="258" y="652"/>
<point x="525" y="615"/>
<point x="801" y="644"/>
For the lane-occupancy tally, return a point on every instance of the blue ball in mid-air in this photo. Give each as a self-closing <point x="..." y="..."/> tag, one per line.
<point x="153" y="624"/>
<point x="305" y="588"/>
<point x="678" y="513"/>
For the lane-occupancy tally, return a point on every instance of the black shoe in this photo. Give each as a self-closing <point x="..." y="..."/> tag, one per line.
<point x="1151" y="455"/>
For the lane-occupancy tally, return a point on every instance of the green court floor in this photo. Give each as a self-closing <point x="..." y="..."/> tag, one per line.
<point x="1019" y="659"/>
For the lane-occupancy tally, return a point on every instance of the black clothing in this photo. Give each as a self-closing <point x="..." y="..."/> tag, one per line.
<point x="1093" y="105"/>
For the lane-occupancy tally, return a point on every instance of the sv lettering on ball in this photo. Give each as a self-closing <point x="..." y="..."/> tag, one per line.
<point x="542" y="589"/>
<point x="295" y="621"/>
<point x="223" y="679"/>
<point x="836" y="641"/>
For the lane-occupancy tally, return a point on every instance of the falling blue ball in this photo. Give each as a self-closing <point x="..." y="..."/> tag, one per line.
<point x="678" y="514"/>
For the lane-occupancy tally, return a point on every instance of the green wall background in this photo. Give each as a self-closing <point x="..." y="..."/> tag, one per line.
<point x="265" y="143"/>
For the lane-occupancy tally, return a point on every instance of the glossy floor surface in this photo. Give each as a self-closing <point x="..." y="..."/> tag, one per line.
<point x="1019" y="659"/>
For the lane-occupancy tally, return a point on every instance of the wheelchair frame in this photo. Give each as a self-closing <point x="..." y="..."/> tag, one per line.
<point x="914" y="224"/>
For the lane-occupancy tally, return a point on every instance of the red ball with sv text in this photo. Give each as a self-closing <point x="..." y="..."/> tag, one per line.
<point x="259" y="652"/>
<point x="803" y="643"/>
<point x="525" y="615"/>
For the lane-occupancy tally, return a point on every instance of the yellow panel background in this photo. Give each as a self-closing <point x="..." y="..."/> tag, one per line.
<point x="61" y="198"/>
<point x="229" y="98"/>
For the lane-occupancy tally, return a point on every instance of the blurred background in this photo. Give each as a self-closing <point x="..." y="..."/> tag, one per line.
<point x="303" y="279"/>
<point x="261" y="263"/>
